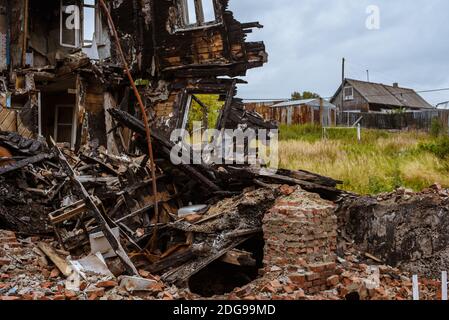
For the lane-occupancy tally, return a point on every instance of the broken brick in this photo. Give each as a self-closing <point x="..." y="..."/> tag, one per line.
<point x="107" y="284"/>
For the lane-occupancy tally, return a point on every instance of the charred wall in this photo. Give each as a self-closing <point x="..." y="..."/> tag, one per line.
<point x="406" y="230"/>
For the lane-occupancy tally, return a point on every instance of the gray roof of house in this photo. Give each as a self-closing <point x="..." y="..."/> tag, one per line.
<point x="377" y="93"/>
<point x="310" y="102"/>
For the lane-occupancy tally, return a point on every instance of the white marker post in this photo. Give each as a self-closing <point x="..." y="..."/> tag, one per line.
<point x="359" y="133"/>
<point x="415" y="288"/>
<point x="444" y="286"/>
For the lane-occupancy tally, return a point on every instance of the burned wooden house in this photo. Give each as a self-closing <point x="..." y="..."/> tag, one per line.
<point x="61" y="70"/>
<point x="89" y="91"/>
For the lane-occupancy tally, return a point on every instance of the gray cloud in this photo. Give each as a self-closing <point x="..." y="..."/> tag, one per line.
<point x="306" y="40"/>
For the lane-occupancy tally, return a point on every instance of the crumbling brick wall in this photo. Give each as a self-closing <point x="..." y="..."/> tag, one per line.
<point x="301" y="238"/>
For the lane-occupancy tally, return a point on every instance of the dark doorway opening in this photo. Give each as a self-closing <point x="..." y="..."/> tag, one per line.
<point x="58" y="111"/>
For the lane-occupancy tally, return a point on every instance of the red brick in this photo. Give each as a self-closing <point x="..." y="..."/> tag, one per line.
<point x="9" y="298"/>
<point x="107" y="284"/>
<point x="70" y="294"/>
<point x="288" y="289"/>
<point x="12" y="245"/>
<point x="4" y="285"/>
<point x="46" y="284"/>
<point x="55" y="273"/>
<point x="268" y="288"/>
<point x="99" y="292"/>
<point x="5" y="240"/>
<point x="167" y="296"/>
<point x="27" y="297"/>
<point x="318" y="283"/>
<point x="92" y="296"/>
<point x="300" y="295"/>
<point x="298" y="279"/>
<point x="312" y="276"/>
<point x="333" y="281"/>
<point x="4" y="261"/>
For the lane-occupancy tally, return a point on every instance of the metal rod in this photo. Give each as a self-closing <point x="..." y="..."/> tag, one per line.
<point x="25" y="32"/>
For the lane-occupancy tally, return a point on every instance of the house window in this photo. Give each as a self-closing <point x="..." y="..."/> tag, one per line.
<point x="202" y="109"/>
<point x="349" y="93"/>
<point x="70" y="24"/>
<point x="80" y="23"/>
<point x="198" y="12"/>
<point x="89" y="22"/>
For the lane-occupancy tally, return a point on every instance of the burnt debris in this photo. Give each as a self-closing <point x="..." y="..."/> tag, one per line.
<point x="78" y="134"/>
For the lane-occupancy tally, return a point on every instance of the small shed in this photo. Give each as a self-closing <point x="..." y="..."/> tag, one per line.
<point x="310" y="111"/>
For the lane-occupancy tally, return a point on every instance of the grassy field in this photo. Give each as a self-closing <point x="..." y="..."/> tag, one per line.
<point x="381" y="162"/>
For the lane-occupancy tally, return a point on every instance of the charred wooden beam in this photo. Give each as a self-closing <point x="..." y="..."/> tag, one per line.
<point x="25" y="162"/>
<point x="172" y="261"/>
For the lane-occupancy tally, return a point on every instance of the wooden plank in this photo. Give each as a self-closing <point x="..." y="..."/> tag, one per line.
<point x="60" y="263"/>
<point x="110" y="103"/>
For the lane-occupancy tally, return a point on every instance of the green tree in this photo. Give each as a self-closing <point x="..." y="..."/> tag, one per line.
<point x="305" y="95"/>
<point x="296" y="95"/>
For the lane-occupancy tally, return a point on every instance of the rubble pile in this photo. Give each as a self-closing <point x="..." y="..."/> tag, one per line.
<point x="101" y="210"/>
<point x="356" y="278"/>
<point x="27" y="273"/>
<point x="83" y="226"/>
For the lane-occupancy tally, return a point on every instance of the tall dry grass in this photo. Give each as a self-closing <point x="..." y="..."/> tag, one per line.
<point x="381" y="163"/>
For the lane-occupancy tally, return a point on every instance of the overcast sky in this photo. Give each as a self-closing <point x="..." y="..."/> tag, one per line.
<point x="306" y="40"/>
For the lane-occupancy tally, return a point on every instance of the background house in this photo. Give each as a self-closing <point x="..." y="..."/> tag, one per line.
<point x="307" y="111"/>
<point x="361" y="96"/>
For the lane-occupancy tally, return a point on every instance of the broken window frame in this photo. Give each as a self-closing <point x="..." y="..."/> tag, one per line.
<point x="98" y="26"/>
<point x="184" y="20"/>
<point x="79" y="33"/>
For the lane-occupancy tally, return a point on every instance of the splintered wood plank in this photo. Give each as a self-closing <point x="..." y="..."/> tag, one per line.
<point x="59" y="262"/>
